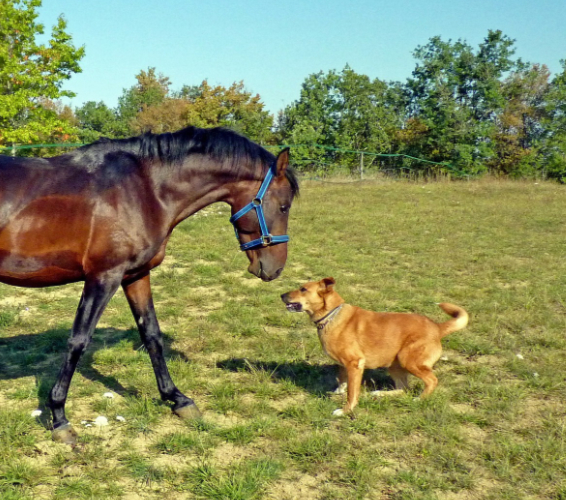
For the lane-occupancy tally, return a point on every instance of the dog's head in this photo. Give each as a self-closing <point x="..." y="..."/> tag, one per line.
<point x="310" y="298"/>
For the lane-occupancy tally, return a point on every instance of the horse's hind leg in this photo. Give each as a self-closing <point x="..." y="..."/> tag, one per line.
<point x="96" y="294"/>
<point x="139" y="297"/>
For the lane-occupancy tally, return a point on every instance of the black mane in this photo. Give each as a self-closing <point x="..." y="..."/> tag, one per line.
<point x="219" y="143"/>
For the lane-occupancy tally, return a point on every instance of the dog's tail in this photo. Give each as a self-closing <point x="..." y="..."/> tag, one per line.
<point x="459" y="319"/>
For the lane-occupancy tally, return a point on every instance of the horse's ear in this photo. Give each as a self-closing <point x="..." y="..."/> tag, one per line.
<point x="282" y="162"/>
<point x="326" y="284"/>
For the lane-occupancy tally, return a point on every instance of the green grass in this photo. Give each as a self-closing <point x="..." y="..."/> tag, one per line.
<point x="494" y="429"/>
<point x="243" y="481"/>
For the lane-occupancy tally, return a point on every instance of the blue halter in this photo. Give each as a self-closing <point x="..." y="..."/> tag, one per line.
<point x="266" y="238"/>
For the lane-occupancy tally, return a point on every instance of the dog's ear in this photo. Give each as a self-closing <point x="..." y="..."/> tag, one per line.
<point x="326" y="284"/>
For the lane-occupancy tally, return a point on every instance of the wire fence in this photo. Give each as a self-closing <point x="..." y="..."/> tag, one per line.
<point x="327" y="160"/>
<point x="314" y="159"/>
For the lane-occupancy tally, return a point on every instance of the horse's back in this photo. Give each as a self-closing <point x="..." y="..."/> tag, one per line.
<point x="25" y="181"/>
<point x="8" y="162"/>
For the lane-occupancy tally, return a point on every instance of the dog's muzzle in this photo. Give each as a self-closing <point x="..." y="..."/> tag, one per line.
<point x="295" y="307"/>
<point x="291" y="306"/>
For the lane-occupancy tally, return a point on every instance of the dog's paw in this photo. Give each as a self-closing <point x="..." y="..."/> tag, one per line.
<point x="338" y="413"/>
<point x="341" y="389"/>
<point x="377" y="394"/>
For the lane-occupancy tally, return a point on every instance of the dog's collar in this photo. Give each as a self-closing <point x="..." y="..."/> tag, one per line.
<point x="322" y="322"/>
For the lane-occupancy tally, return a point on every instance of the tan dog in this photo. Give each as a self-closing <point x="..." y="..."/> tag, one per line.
<point x="358" y="339"/>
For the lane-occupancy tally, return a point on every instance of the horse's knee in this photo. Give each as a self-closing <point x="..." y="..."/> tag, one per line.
<point x="57" y="397"/>
<point x="153" y="341"/>
<point x="78" y="343"/>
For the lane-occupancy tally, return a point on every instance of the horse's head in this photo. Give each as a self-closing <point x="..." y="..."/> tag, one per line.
<point x="260" y="219"/>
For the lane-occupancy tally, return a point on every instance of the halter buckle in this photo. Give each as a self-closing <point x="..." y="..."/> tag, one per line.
<point x="266" y="239"/>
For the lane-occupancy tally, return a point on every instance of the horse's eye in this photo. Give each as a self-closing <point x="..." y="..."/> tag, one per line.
<point x="284" y="209"/>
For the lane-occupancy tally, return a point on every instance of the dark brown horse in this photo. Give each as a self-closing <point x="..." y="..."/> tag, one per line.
<point x="103" y="214"/>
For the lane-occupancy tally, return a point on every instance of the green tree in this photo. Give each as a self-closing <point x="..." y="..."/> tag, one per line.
<point x="158" y="110"/>
<point x="32" y="74"/>
<point x="455" y="95"/>
<point x="151" y="90"/>
<point x="519" y="123"/>
<point x="554" y="127"/>
<point x="95" y="120"/>
<point x="363" y="120"/>
<point x="233" y="107"/>
<point x="343" y="110"/>
<point x="312" y="113"/>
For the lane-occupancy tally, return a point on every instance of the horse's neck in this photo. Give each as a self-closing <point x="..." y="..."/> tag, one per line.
<point x="197" y="184"/>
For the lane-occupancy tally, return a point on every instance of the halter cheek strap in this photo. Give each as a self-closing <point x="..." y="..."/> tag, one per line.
<point x="266" y="239"/>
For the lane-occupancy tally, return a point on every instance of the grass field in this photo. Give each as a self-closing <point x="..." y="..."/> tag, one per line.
<point x="494" y="429"/>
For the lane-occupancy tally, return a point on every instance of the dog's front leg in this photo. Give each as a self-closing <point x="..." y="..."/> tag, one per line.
<point x="342" y="380"/>
<point x="355" y="371"/>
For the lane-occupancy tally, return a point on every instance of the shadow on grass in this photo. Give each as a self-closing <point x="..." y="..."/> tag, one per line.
<point x="41" y="356"/>
<point x="316" y="379"/>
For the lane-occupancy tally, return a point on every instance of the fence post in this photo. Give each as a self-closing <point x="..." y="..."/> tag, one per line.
<point x="361" y="166"/>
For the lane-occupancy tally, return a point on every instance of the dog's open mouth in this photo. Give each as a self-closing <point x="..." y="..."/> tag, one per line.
<point x="294" y="307"/>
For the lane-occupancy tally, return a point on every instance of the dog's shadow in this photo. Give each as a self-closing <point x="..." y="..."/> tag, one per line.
<point x="318" y="380"/>
<point x="41" y="355"/>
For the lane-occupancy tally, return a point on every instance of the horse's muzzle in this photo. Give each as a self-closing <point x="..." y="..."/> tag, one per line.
<point x="257" y="269"/>
<point x="266" y="277"/>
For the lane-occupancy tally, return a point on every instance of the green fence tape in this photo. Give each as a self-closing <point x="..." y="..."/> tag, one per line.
<point x="369" y="153"/>
<point x="319" y="146"/>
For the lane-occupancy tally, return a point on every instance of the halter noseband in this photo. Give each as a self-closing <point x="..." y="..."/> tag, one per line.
<point x="266" y="239"/>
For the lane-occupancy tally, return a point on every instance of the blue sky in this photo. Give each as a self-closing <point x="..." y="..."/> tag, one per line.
<point x="274" y="46"/>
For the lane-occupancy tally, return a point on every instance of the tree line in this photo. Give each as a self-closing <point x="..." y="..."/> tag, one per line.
<point x="470" y="110"/>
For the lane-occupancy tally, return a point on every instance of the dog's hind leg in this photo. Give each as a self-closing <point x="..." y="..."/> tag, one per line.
<point x="399" y="375"/>
<point x="400" y="378"/>
<point x="342" y="380"/>
<point x="425" y="374"/>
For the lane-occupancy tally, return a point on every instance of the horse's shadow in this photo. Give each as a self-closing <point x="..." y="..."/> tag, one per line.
<point x="41" y="355"/>
<point x="315" y="379"/>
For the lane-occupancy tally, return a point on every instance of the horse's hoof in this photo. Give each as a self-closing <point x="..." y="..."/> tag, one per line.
<point x="65" y="434"/>
<point x="188" y="412"/>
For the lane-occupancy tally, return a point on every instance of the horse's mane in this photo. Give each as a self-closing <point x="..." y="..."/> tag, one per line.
<point x="219" y="143"/>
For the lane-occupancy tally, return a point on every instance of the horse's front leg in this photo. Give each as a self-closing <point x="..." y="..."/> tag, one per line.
<point x="96" y="294"/>
<point x="139" y="297"/>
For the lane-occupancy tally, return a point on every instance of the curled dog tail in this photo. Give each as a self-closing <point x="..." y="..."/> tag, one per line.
<point x="459" y="319"/>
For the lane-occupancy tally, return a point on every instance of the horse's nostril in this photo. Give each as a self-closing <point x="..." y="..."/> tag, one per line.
<point x="269" y="277"/>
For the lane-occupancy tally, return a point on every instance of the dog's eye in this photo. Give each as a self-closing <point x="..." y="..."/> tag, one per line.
<point x="303" y="289"/>
<point x="284" y="209"/>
